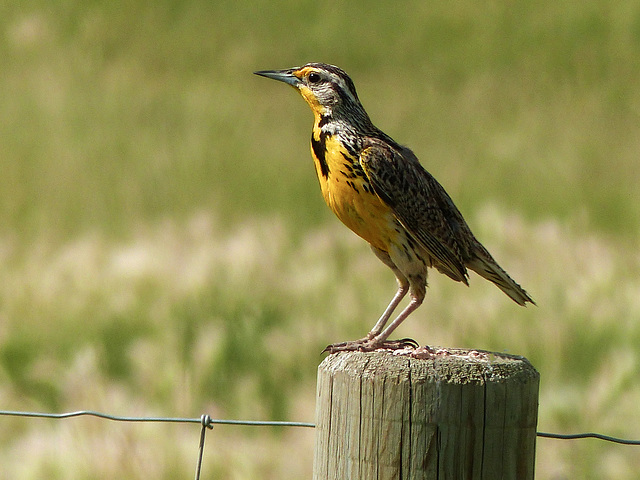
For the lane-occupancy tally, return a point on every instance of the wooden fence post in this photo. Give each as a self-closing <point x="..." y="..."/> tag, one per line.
<point x="457" y="415"/>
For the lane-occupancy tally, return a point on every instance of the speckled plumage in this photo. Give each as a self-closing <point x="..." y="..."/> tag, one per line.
<point x="380" y="190"/>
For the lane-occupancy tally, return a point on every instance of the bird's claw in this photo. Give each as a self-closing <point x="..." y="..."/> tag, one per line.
<point x="370" y="345"/>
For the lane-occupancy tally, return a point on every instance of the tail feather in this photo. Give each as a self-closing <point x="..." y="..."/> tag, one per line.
<point x="485" y="266"/>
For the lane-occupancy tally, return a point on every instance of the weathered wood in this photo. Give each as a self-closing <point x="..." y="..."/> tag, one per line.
<point x="456" y="415"/>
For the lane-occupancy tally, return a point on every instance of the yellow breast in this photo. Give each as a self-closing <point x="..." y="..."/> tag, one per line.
<point x="348" y="193"/>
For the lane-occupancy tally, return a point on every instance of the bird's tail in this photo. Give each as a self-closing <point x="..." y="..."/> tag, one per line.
<point x="485" y="266"/>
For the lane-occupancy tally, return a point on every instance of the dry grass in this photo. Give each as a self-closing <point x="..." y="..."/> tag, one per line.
<point x="177" y="290"/>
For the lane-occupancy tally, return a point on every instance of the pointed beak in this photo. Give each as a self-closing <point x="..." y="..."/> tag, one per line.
<point x="285" y="76"/>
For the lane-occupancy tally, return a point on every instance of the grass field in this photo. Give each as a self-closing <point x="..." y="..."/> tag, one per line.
<point x="164" y="248"/>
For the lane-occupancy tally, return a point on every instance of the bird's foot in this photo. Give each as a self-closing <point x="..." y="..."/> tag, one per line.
<point x="367" y="344"/>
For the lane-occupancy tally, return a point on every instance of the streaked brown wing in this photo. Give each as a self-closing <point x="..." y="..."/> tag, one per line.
<point x="419" y="203"/>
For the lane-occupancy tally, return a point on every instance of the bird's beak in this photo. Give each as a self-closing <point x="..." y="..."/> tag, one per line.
<point x="285" y="76"/>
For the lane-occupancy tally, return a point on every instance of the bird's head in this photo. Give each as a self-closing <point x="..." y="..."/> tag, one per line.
<point x="327" y="89"/>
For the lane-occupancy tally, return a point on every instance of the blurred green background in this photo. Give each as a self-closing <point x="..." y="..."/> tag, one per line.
<point x="164" y="247"/>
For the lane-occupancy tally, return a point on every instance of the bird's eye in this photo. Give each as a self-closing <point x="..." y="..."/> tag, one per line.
<point x="314" y="78"/>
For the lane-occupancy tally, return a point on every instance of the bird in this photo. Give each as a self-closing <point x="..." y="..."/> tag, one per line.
<point x="379" y="189"/>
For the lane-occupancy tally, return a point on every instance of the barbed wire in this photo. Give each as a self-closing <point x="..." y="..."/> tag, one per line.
<point x="207" y="423"/>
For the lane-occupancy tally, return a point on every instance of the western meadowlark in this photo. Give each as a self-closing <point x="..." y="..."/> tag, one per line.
<point x="379" y="190"/>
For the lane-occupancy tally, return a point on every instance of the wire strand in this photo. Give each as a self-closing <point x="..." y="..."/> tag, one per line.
<point x="262" y="423"/>
<point x="119" y="418"/>
<point x="599" y="436"/>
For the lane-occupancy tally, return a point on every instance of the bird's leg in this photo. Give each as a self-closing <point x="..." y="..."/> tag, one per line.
<point x="379" y="340"/>
<point x="363" y="343"/>
<point x="377" y="337"/>
<point x="417" y="297"/>
<point x="403" y="288"/>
